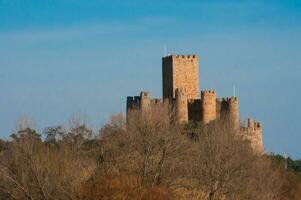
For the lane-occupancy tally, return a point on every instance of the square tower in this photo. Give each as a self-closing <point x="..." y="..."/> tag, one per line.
<point x="180" y="71"/>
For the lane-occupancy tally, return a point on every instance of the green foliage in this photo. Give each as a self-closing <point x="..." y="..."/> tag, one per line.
<point x="288" y="163"/>
<point x="193" y="129"/>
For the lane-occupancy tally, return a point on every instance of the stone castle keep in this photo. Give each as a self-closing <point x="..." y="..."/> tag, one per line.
<point x="180" y="81"/>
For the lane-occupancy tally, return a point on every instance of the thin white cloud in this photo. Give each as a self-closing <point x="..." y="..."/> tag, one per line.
<point x="82" y="30"/>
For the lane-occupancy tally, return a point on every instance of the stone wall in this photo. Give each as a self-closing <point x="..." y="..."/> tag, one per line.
<point x="145" y="103"/>
<point x="195" y="110"/>
<point x="181" y="99"/>
<point x="227" y="108"/>
<point x="253" y="133"/>
<point x="180" y="71"/>
<point x="132" y="103"/>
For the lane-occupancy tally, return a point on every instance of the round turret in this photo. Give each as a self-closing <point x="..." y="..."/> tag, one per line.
<point x="208" y="105"/>
<point x="181" y="106"/>
<point x="233" y="111"/>
<point x="145" y="101"/>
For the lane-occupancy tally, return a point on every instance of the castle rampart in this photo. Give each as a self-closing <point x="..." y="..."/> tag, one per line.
<point x="205" y="109"/>
<point x="181" y="95"/>
<point x="132" y="102"/>
<point x="253" y="133"/>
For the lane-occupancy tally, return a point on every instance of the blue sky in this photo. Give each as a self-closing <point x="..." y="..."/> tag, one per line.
<point x="60" y="58"/>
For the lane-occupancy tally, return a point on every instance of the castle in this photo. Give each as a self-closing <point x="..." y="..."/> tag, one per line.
<point x="180" y="81"/>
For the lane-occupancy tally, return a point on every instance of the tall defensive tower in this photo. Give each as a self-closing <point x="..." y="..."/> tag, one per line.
<point x="145" y="101"/>
<point x="233" y="111"/>
<point x="208" y="105"/>
<point x="180" y="71"/>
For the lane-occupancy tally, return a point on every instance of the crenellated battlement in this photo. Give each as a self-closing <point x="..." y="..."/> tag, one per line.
<point x="227" y="108"/>
<point x="208" y="99"/>
<point x="194" y="101"/>
<point x="183" y="57"/>
<point x="235" y="99"/>
<point x="177" y="56"/>
<point x="180" y="71"/>
<point x="227" y="102"/>
<point x="208" y="92"/>
<point x="181" y="106"/>
<point x="133" y="99"/>
<point x="157" y="101"/>
<point x="253" y="125"/>
<point x="180" y="91"/>
<point x="253" y="132"/>
<point x="145" y="94"/>
<point x="180" y="83"/>
<point x="144" y="103"/>
<point x="227" y="99"/>
<point x="132" y="103"/>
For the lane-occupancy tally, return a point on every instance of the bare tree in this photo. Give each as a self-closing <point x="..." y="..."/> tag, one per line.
<point x="226" y="166"/>
<point x="148" y="156"/>
<point x="31" y="169"/>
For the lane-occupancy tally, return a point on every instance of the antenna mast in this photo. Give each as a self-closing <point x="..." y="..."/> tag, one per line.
<point x="234" y="91"/>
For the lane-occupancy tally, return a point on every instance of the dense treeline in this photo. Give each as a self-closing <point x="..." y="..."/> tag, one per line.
<point x="146" y="158"/>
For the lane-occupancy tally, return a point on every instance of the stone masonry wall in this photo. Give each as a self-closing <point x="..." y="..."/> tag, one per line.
<point x="181" y="106"/>
<point x="253" y="133"/>
<point x="208" y="100"/>
<point x="180" y="82"/>
<point x="195" y="110"/>
<point x="180" y="71"/>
